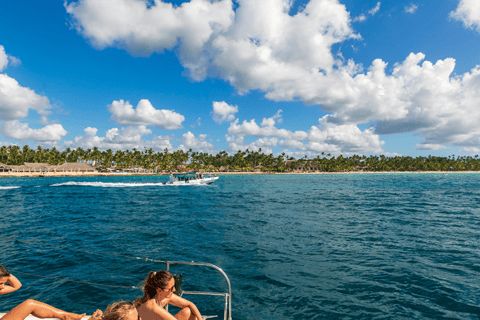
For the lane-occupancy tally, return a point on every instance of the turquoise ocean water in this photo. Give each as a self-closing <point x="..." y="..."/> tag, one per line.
<point x="358" y="246"/>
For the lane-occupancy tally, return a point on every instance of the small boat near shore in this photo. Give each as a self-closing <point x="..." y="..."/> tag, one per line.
<point x="191" y="178"/>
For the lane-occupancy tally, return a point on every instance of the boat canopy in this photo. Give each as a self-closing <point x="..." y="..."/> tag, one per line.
<point x="185" y="174"/>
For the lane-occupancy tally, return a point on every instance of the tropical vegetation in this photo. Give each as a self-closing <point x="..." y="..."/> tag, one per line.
<point x="240" y="161"/>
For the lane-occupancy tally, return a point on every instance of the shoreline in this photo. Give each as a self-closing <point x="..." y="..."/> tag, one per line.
<point x="105" y="174"/>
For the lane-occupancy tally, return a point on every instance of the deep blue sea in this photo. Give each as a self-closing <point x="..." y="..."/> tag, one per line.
<point x="358" y="246"/>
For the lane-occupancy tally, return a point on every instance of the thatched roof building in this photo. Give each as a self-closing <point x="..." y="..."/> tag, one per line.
<point x="5" y="167"/>
<point x="37" y="167"/>
<point x="45" y="167"/>
<point x="74" y="167"/>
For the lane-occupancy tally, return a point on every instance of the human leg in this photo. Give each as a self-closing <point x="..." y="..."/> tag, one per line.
<point x="185" y="314"/>
<point x="39" y="310"/>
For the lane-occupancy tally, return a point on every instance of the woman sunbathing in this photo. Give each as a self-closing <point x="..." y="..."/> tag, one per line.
<point x="8" y="282"/>
<point x="116" y="311"/>
<point x="157" y="293"/>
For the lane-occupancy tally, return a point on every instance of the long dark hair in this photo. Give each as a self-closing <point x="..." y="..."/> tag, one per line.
<point x="4" y="272"/>
<point x="152" y="282"/>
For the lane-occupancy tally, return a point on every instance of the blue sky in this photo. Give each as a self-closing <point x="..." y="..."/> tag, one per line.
<point x="300" y="77"/>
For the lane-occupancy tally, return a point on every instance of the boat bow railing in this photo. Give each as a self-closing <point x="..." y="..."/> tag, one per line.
<point x="227" y="295"/>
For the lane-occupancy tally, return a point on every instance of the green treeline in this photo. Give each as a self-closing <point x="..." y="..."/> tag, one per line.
<point x="240" y="161"/>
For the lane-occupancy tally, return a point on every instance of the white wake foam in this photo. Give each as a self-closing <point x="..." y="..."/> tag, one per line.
<point x="9" y="187"/>
<point x="107" y="184"/>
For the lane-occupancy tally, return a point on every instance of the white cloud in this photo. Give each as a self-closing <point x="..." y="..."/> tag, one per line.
<point x="327" y="137"/>
<point x="142" y="29"/>
<point x="15" y="100"/>
<point x="198" y="123"/>
<point x="374" y="10"/>
<point x="468" y="11"/>
<point x="362" y="17"/>
<point x="14" y="60"/>
<point x="427" y="146"/>
<point x="266" y="128"/>
<point x="145" y="115"/>
<point x="472" y="150"/>
<point x="21" y="131"/>
<point x="442" y="109"/>
<point x="134" y="137"/>
<point x="6" y="59"/>
<point x="197" y="144"/>
<point x="223" y="112"/>
<point x="120" y="139"/>
<point x="259" y="46"/>
<point x="411" y="8"/>
<point x="3" y="58"/>
<point x="236" y="144"/>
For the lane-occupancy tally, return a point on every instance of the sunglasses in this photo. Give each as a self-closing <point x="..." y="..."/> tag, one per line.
<point x="171" y="289"/>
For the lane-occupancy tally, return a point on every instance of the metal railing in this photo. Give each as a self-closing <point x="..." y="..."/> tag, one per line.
<point x="226" y="295"/>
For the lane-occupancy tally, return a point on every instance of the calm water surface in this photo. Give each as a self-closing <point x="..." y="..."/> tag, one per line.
<point x="379" y="246"/>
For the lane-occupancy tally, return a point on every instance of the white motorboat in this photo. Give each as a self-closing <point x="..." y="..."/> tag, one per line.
<point x="191" y="178"/>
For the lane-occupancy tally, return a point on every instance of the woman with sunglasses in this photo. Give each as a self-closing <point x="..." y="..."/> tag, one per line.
<point x="157" y="293"/>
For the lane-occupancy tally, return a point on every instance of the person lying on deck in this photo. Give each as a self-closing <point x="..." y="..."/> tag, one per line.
<point x="116" y="311"/>
<point x="157" y="293"/>
<point x="8" y="282"/>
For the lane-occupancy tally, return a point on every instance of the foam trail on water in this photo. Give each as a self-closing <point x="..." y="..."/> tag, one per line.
<point x="9" y="187"/>
<point x="107" y="184"/>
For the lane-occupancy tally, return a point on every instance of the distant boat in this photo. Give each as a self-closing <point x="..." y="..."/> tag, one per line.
<point x="191" y="178"/>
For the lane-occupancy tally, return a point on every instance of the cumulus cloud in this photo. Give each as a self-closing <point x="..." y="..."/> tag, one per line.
<point x="127" y="137"/>
<point x="21" y="131"/>
<point x="468" y="11"/>
<point x="6" y="59"/>
<point x="144" y="115"/>
<point x="326" y="137"/>
<point x="15" y="100"/>
<point x="120" y="139"/>
<point x="236" y="144"/>
<point x="3" y="58"/>
<point x="142" y="27"/>
<point x="223" y="112"/>
<point x="429" y="146"/>
<point x="440" y="108"/>
<point x="197" y="144"/>
<point x="411" y="8"/>
<point x="266" y="128"/>
<point x="260" y="46"/>
<point x="472" y="150"/>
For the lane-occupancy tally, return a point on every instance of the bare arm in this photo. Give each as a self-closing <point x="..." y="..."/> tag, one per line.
<point x="184" y="303"/>
<point x="13" y="285"/>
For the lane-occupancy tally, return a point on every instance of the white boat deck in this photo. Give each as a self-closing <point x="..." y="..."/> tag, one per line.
<point x="30" y="317"/>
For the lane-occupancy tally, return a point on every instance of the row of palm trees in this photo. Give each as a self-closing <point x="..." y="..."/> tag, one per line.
<point x="240" y="161"/>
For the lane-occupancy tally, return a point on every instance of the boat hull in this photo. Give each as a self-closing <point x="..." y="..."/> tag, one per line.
<point x="203" y="181"/>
